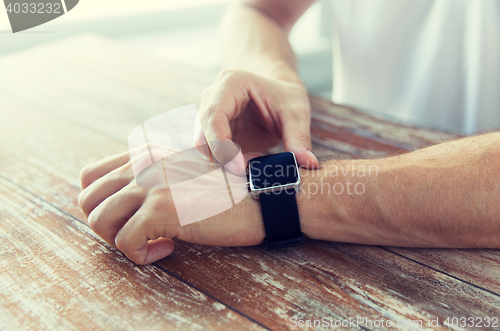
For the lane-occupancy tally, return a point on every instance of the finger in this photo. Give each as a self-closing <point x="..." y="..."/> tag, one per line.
<point x="159" y="249"/>
<point x="90" y="173"/>
<point x="240" y="158"/>
<point x="134" y="238"/>
<point x="104" y="187"/>
<point x="237" y="166"/>
<point x="110" y="216"/>
<point x="225" y="152"/>
<point x="225" y="102"/>
<point x="215" y="124"/>
<point x="297" y="138"/>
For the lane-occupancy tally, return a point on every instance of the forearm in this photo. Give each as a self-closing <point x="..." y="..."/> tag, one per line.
<point x="253" y="40"/>
<point x="441" y="196"/>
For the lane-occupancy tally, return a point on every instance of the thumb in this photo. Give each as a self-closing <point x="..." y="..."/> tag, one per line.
<point x="296" y="137"/>
<point x="158" y="249"/>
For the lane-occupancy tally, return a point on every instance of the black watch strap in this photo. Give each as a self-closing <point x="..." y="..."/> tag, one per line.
<point x="281" y="219"/>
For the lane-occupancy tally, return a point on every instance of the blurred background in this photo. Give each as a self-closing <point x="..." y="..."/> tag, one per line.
<point x="184" y="31"/>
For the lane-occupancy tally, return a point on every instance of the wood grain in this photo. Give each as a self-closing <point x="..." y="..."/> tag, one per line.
<point x="476" y="266"/>
<point x="76" y="102"/>
<point x="327" y="279"/>
<point x="319" y="280"/>
<point x="348" y="130"/>
<point x="56" y="274"/>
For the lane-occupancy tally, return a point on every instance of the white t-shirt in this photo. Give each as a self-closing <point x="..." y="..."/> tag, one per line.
<point x="427" y="61"/>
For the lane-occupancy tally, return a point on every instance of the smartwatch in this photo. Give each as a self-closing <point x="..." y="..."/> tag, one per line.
<point x="274" y="180"/>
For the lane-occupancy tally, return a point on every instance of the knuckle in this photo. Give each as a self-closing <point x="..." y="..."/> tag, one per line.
<point x="138" y="150"/>
<point x="84" y="202"/>
<point x="206" y="93"/>
<point x="299" y="93"/>
<point x="121" y="243"/>
<point x="155" y="146"/>
<point x="208" y="118"/>
<point x="93" y="221"/>
<point x="299" y="103"/>
<point x="85" y="176"/>
<point x="206" y="114"/>
<point x="225" y="73"/>
<point x="125" y="173"/>
<point x="157" y="195"/>
<point x="136" y="191"/>
<point x="303" y="137"/>
<point x="296" y="117"/>
<point x="160" y="200"/>
<point x="81" y="200"/>
<point x="125" y="170"/>
<point x="140" y="162"/>
<point x="302" y="107"/>
<point x="297" y="111"/>
<point x="230" y="76"/>
<point x="298" y="114"/>
<point x="303" y="115"/>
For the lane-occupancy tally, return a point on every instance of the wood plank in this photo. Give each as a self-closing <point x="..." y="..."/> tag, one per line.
<point x="320" y="279"/>
<point x="56" y="274"/>
<point x="348" y="130"/>
<point x="476" y="266"/>
<point x="316" y="280"/>
<point x="97" y="83"/>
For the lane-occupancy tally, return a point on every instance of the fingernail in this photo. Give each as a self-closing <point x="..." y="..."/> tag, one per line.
<point x="314" y="158"/>
<point x="234" y="168"/>
<point x="231" y="166"/>
<point x="311" y="153"/>
<point x="237" y="165"/>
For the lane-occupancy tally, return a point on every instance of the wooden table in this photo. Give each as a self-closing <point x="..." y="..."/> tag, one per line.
<point x="72" y="102"/>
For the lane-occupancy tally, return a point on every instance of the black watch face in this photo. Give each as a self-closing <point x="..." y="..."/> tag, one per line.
<point x="273" y="170"/>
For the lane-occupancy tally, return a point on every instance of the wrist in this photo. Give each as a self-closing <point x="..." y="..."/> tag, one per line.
<point x="314" y="206"/>
<point x="283" y="72"/>
<point x="275" y="70"/>
<point x="337" y="201"/>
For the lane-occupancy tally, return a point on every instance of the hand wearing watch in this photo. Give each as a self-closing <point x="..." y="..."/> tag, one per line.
<point x="274" y="180"/>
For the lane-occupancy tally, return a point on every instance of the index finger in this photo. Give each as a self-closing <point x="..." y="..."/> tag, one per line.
<point x="93" y="171"/>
